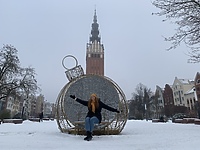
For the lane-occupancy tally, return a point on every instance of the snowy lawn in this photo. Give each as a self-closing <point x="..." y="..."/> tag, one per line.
<point x="137" y="135"/>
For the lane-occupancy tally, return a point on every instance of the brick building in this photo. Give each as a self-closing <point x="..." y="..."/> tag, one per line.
<point x="168" y="100"/>
<point x="95" y="51"/>
<point x="197" y="86"/>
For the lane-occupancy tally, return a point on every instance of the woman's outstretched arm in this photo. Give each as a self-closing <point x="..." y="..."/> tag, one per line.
<point x="85" y="103"/>
<point x="108" y="107"/>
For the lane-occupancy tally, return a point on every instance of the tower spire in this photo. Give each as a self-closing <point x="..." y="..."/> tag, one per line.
<point x="95" y="16"/>
<point x="95" y="29"/>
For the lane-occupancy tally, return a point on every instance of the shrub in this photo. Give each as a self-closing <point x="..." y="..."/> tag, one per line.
<point x="5" y="114"/>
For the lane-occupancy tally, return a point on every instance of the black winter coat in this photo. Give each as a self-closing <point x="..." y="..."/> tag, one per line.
<point x="97" y="110"/>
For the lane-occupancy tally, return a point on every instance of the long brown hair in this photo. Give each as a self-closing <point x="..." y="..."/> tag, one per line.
<point x="96" y="101"/>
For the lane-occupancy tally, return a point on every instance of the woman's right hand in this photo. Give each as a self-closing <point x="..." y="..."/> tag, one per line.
<point x="73" y="96"/>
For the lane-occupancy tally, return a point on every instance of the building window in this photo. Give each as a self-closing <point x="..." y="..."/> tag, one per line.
<point x="180" y="101"/>
<point x="95" y="55"/>
<point x="198" y="81"/>
<point x="190" y="101"/>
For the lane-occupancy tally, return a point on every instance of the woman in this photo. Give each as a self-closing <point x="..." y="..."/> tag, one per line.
<point x="94" y="113"/>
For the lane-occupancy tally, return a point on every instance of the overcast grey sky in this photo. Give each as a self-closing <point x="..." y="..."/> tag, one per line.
<point x="44" y="31"/>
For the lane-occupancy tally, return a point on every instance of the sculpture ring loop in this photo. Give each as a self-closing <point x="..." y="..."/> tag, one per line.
<point x="68" y="57"/>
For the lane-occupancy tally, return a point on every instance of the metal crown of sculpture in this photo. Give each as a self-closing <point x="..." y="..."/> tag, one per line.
<point x="74" y="72"/>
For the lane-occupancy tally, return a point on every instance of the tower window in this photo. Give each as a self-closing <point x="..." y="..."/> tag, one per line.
<point x="95" y="55"/>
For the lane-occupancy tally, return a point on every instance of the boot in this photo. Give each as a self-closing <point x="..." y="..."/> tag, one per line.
<point x="89" y="136"/>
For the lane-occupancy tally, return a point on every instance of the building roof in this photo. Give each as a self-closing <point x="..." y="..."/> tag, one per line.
<point x="190" y="91"/>
<point x="185" y="81"/>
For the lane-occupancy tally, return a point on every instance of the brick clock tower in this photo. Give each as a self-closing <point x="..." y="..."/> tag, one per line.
<point x="95" y="51"/>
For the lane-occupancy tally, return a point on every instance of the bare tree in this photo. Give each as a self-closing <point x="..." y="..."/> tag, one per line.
<point x="186" y="14"/>
<point x="13" y="78"/>
<point x="155" y="104"/>
<point x="140" y="101"/>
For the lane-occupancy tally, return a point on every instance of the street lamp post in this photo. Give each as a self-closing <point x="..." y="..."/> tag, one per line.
<point x="22" y="115"/>
<point x="145" y="107"/>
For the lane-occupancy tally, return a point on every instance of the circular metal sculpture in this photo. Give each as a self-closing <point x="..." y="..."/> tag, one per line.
<point x="71" y="115"/>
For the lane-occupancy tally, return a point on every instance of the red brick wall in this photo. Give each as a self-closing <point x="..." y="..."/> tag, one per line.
<point x="95" y="66"/>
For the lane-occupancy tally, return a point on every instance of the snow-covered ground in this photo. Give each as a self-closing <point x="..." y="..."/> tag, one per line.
<point x="137" y="135"/>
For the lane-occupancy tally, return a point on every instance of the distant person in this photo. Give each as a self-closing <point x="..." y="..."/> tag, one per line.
<point x="161" y="119"/>
<point x="41" y="117"/>
<point x="94" y="113"/>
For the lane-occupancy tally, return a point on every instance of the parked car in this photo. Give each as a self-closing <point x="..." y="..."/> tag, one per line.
<point x="17" y="116"/>
<point x="178" y="116"/>
<point x="163" y="119"/>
